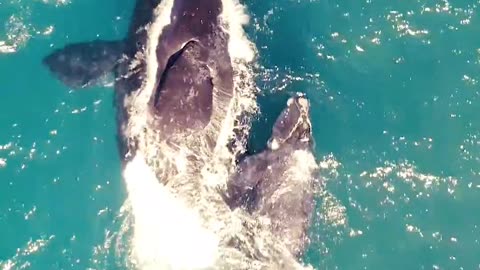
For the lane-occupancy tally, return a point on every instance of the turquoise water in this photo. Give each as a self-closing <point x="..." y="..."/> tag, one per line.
<point x="394" y="92"/>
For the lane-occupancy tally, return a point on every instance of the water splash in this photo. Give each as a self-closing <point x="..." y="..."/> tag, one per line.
<point x="18" y="29"/>
<point x="167" y="233"/>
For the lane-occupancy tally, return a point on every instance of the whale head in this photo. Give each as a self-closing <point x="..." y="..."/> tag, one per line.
<point x="293" y="126"/>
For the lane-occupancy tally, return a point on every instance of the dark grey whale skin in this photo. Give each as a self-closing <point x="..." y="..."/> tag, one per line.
<point x="263" y="186"/>
<point x="193" y="66"/>
<point x="185" y="86"/>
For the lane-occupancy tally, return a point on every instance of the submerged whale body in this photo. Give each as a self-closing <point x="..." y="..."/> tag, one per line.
<point x="183" y="105"/>
<point x="277" y="184"/>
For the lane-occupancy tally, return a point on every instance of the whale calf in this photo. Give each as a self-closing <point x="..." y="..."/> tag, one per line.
<point x="277" y="184"/>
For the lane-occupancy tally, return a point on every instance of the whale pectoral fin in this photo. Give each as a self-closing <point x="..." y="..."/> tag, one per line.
<point x="83" y="64"/>
<point x="241" y="188"/>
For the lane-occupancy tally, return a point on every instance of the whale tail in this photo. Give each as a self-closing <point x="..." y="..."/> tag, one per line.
<point x="83" y="64"/>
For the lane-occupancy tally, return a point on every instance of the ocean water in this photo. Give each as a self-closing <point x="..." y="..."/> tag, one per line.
<point x="394" y="92"/>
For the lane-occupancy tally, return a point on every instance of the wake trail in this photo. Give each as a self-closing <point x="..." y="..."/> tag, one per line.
<point x="167" y="233"/>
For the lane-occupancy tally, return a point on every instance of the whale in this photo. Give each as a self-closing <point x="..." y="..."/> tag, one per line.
<point x="277" y="184"/>
<point x="192" y="72"/>
<point x="184" y="95"/>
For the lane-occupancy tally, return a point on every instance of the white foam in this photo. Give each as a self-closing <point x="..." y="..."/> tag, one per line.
<point x="242" y="53"/>
<point x="167" y="234"/>
<point x="274" y="145"/>
<point x="304" y="165"/>
<point x="6" y="48"/>
<point x="236" y="16"/>
<point x="139" y="117"/>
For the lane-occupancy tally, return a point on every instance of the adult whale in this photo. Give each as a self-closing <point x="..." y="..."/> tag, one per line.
<point x="176" y="74"/>
<point x="278" y="183"/>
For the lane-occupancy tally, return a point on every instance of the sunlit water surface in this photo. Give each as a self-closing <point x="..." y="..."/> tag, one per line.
<point x="394" y="92"/>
